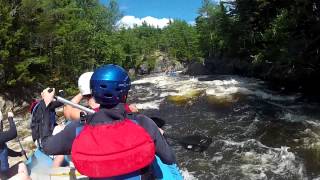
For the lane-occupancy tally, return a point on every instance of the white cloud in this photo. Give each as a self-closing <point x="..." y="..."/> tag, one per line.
<point x="192" y="23"/>
<point x="130" y="21"/>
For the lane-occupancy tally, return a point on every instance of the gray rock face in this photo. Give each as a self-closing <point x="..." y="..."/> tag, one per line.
<point x="2" y="102"/>
<point x="144" y="69"/>
<point x="132" y="72"/>
<point x="164" y="64"/>
<point x="5" y="105"/>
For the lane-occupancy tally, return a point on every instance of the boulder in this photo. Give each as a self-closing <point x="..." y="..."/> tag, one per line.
<point x="187" y="97"/>
<point x="164" y="64"/>
<point x="197" y="68"/>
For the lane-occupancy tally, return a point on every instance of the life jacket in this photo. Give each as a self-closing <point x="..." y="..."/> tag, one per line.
<point x="36" y="121"/>
<point x="112" y="149"/>
<point x="4" y="165"/>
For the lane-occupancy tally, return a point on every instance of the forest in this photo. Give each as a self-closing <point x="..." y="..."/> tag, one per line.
<point x="52" y="42"/>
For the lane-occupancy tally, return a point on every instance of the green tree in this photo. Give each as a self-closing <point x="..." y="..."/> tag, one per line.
<point x="182" y="41"/>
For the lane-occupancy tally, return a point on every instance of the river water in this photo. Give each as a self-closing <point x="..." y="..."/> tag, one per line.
<point x="257" y="133"/>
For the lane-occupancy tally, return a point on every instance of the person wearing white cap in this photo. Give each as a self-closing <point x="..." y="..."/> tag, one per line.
<point x="72" y="113"/>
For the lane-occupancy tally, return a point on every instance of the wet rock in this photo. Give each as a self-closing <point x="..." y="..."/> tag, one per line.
<point x="164" y="64"/>
<point x="132" y="73"/>
<point x="59" y="111"/>
<point x="186" y="98"/>
<point x="28" y="139"/>
<point x="2" y="102"/>
<point x="7" y="106"/>
<point x="144" y="69"/>
<point x="223" y="101"/>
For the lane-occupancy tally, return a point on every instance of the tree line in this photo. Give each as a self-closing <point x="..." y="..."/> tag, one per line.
<point x="53" y="41"/>
<point x="273" y="40"/>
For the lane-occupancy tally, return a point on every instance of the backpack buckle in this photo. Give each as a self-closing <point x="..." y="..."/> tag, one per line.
<point x="83" y="117"/>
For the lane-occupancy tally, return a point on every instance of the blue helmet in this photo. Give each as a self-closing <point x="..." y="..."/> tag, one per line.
<point x="110" y="85"/>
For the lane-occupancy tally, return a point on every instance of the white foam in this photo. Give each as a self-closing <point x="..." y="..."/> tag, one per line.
<point x="257" y="160"/>
<point x="187" y="175"/>
<point x="290" y="117"/>
<point x="265" y="95"/>
<point x="313" y="123"/>
<point x="150" y="105"/>
<point x="164" y="86"/>
<point x="217" y="158"/>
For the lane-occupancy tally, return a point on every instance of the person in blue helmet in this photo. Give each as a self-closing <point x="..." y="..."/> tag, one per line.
<point x="72" y="113"/>
<point x="111" y="143"/>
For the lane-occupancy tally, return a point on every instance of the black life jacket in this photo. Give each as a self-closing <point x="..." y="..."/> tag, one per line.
<point x="37" y="121"/>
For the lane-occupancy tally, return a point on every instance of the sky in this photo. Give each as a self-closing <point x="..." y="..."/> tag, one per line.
<point x="157" y="12"/>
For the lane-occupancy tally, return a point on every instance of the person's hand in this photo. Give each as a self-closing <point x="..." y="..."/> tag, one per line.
<point x="10" y="114"/>
<point x="133" y="108"/>
<point x="47" y="96"/>
<point x="92" y="103"/>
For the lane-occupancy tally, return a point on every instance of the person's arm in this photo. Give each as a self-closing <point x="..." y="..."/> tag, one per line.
<point x="61" y="143"/>
<point x="163" y="150"/>
<point x="71" y="112"/>
<point x="11" y="133"/>
<point x="55" y="104"/>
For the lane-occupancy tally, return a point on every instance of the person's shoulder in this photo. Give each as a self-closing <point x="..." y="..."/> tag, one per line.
<point x="39" y="105"/>
<point x="143" y="119"/>
<point x="137" y="116"/>
<point x="72" y="126"/>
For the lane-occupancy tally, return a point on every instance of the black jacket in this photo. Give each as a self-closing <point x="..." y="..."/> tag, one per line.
<point x="61" y="143"/>
<point x="8" y="135"/>
<point x="44" y="127"/>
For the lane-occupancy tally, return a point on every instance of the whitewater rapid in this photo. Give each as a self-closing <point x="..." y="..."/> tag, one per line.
<point x="258" y="133"/>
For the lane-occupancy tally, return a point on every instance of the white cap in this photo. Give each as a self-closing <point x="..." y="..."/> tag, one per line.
<point x="84" y="83"/>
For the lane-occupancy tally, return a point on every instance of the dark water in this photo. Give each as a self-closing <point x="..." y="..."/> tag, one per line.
<point x="257" y="133"/>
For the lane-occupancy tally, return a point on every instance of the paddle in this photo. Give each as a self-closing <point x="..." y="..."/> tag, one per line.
<point x="22" y="150"/>
<point x="65" y="101"/>
<point x="196" y="143"/>
<point x="159" y="122"/>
